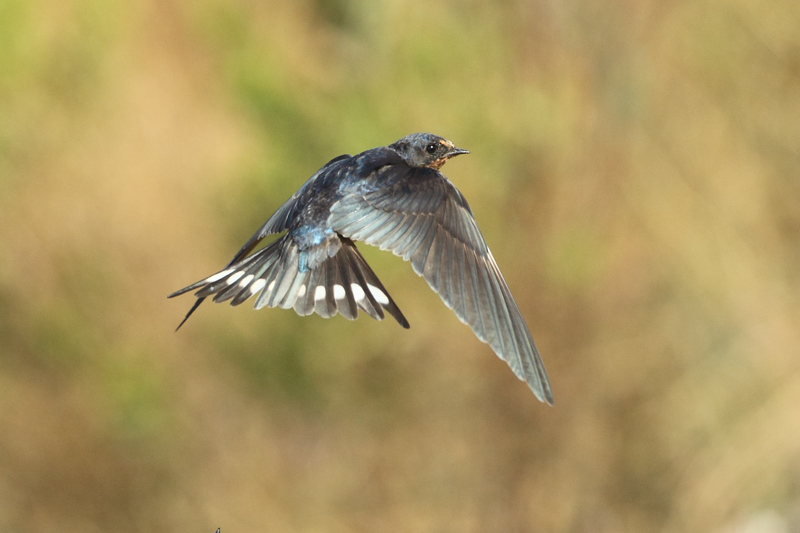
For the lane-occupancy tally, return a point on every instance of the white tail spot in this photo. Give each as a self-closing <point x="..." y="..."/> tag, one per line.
<point x="219" y="275"/>
<point x="301" y="291"/>
<point x="257" y="285"/>
<point x="358" y="292"/>
<point x="338" y="292"/>
<point x="271" y="285"/>
<point x="234" y="277"/>
<point x="378" y="294"/>
<point x="319" y="293"/>
<point x="247" y="279"/>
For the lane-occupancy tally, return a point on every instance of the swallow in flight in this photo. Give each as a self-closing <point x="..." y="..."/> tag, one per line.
<point x="393" y="197"/>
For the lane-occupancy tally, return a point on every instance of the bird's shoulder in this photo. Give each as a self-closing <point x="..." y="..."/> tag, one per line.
<point x="380" y="178"/>
<point x="383" y="169"/>
<point x="373" y="159"/>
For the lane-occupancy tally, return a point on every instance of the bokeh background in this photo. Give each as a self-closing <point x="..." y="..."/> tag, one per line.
<point x="634" y="168"/>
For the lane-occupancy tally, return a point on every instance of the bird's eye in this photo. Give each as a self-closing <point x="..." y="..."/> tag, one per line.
<point x="431" y="148"/>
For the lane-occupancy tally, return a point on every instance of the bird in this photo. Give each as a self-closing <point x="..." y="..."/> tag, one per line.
<point x="393" y="197"/>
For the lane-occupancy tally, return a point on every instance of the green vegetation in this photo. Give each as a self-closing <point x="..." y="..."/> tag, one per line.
<point x="634" y="169"/>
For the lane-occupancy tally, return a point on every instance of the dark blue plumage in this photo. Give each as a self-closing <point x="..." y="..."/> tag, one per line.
<point x="393" y="197"/>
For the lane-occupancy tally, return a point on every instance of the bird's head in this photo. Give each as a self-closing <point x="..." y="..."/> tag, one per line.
<point x="425" y="150"/>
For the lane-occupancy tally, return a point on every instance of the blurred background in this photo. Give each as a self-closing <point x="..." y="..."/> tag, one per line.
<point x="634" y="169"/>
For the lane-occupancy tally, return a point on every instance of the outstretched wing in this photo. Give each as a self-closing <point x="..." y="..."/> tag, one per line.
<point x="420" y="216"/>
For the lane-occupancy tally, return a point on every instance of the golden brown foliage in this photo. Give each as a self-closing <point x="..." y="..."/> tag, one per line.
<point x="634" y="168"/>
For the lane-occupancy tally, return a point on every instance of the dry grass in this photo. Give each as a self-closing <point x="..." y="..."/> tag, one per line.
<point x="634" y="167"/>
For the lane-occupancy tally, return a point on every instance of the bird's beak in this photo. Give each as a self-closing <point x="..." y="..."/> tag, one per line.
<point x="456" y="151"/>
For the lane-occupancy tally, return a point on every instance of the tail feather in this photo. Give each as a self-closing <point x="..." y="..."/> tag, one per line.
<point x="365" y="298"/>
<point x="342" y="284"/>
<point x="325" y="305"/>
<point x="305" y="297"/>
<point x="284" y="275"/>
<point x="343" y="292"/>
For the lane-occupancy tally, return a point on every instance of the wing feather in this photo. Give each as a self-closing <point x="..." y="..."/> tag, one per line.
<point x="420" y="216"/>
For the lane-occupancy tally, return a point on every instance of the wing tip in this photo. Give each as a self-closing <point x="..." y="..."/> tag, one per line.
<point x="538" y="381"/>
<point x="544" y="394"/>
